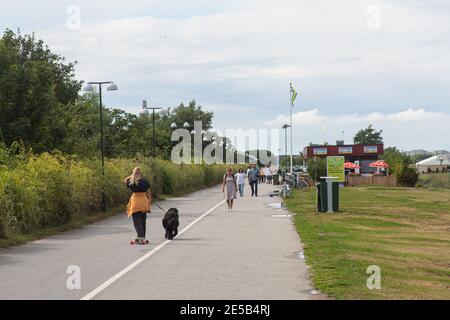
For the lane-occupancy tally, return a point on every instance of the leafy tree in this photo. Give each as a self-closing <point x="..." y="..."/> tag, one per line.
<point x="318" y="165"/>
<point x="35" y="87"/>
<point x="190" y="113"/>
<point x="400" y="166"/>
<point x="368" y="136"/>
<point x="296" y="161"/>
<point x="125" y="134"/>
<point x="396" y="159"/>
<point x="40" y="105"/>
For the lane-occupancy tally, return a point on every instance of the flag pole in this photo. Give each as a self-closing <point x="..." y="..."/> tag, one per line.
<point x="292" y="105"/>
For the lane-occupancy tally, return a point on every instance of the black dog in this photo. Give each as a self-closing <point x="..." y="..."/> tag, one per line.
<point x="170" y="223"/>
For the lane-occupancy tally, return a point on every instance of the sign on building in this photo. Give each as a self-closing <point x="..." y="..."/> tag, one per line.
<point x="370" y="149"/>
<point x="320" y="151"/>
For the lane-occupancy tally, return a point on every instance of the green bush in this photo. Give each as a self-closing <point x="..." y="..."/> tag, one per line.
<point x="408" y="177"/>
<point x="48" y="190"/>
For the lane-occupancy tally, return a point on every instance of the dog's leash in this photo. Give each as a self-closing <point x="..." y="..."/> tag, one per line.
<point x="159" y="207"/>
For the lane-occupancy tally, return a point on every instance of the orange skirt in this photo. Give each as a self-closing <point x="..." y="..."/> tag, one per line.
<point x="138" y="203"/>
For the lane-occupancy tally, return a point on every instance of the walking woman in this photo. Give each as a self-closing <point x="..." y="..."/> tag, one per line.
<point x="229" y="181"/>
<point x="139" y="204"/>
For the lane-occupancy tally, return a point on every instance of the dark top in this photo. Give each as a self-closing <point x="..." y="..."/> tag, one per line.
<point x="141" y="186"/>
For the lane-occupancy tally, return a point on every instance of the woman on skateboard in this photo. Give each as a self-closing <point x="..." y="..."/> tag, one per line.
<point x="229" y="181"/>
<point x="139" y="204"/>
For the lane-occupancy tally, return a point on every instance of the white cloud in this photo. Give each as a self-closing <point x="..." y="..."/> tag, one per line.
<point x="313" y="117"/>
<point x="272" y="40"/>
<point x="301" y="117"/>
<point x="402" y="116"/>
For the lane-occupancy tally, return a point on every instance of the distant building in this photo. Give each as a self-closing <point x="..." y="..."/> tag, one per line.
<point x="357" y="153"/>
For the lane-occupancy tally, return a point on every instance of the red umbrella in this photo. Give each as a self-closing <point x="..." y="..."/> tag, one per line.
<point x="379" y="164"/>
<point x="351" y="165"/>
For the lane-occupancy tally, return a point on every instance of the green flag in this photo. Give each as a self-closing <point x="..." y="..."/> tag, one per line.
<point x="293" y="95"/>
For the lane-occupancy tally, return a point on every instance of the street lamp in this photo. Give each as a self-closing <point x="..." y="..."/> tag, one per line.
<point x="146" y="108"/>
<point x="89" y="87"/>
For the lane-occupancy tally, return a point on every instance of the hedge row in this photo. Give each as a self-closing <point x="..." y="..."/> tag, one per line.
<point x="50" y="190"/>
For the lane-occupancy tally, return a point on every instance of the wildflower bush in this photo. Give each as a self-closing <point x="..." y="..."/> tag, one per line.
<point x="47" y="190"/>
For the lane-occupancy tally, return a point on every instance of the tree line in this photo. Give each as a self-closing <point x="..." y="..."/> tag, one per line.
<point x="41" y="108"/>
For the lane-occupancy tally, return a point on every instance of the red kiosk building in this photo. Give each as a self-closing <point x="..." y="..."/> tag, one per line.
<point x="362" y="154"/>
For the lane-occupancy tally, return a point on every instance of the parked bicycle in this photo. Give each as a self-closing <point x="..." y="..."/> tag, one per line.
<point x="302" y="184"/>
<point x="285" y="190"/>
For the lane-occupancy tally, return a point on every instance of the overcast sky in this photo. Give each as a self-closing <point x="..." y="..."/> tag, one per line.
<point x="353" y="62"/>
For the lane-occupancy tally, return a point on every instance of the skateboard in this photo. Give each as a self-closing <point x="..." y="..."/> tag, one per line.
<point x="139" y="242"/>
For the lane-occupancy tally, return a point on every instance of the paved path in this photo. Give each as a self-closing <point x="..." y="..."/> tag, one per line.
<point x="246" y="254"/>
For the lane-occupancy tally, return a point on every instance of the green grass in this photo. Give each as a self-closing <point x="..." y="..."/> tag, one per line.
<point x="404" y="231"/>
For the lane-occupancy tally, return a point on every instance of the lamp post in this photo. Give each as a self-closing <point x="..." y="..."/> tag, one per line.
<point x="146" y="108"/>
<point x="90" y="88"/>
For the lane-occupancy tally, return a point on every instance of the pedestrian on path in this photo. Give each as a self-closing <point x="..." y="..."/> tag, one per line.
<point x="268" y="174"/>
<point x="253" y="178"/>
<point x="240" y="179"/>
<point x="262" y="175"/>
<point x="139" y="203"/>
<point x="229" y="182"/>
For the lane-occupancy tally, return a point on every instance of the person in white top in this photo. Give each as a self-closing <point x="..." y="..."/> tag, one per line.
<point x="268" y="174"/>
<point x="240" y="180"/>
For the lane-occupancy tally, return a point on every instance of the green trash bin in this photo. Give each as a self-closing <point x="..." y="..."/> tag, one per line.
<point x="322" y="204"/>
<point x="276" y="179"/>
<point x="322" y="196"/>
<point x="335" y="196"/>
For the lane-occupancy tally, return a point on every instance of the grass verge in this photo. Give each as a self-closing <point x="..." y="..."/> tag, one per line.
<point x="404" y="231"/>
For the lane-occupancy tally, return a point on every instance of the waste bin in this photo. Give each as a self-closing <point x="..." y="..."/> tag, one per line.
<point x="276" y="179"/>
<point x="335" y="190"/>
<point x="322" y="196"/>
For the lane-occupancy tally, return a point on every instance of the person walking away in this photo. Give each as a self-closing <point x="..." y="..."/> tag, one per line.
<point x="139" y="203"/>
<point x="240" y="179"/>
<point x="262" y="176"/>
<point x="248" y="169"/>
<point x="229" y="183"/>
<point x="253" y="178"/>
